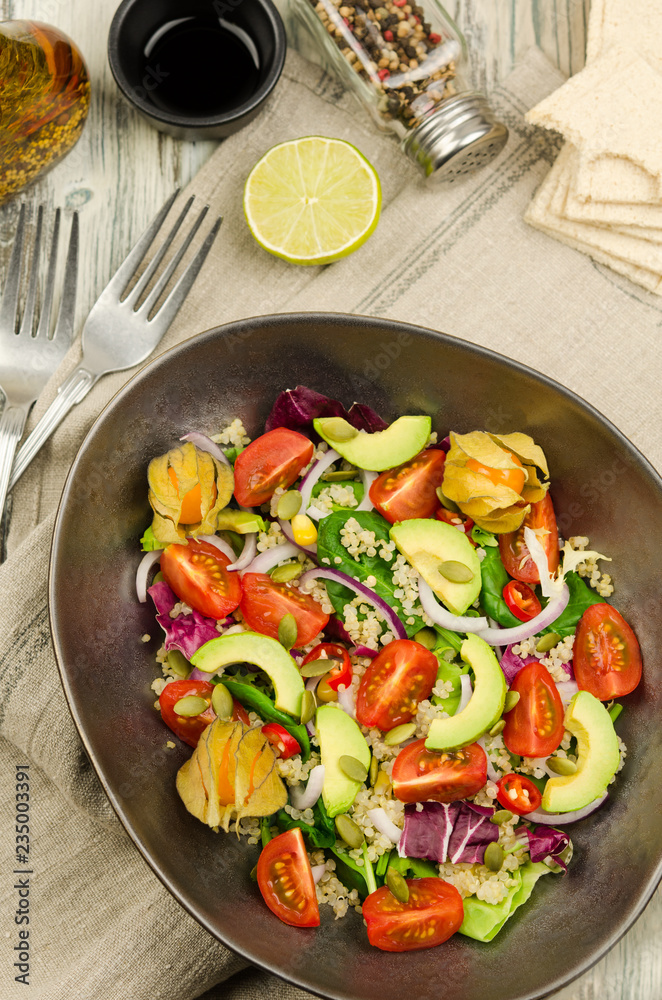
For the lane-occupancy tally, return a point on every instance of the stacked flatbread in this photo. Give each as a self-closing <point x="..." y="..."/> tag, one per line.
<point x="603" y="195"/>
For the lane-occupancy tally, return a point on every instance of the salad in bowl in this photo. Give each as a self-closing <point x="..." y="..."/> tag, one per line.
<point x="397" y="680"/>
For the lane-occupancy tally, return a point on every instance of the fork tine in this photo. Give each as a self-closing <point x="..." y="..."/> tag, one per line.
<point x="170" y="307"/>
<point x="44" y="327"/>
<point x="27" y="323"/>
<point x="64" y="327"/>
<point x="128" y="268"/>
<point x="9" y="308"/>
<point x="160" y="286"/>
<point x="150" y="270"/>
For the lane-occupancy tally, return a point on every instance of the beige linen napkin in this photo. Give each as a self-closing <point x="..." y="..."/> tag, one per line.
<point x="458" y="259"/>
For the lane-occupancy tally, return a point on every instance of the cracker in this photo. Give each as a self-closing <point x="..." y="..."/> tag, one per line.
<point x="611" y="109"/>
<point x="598" y="244"/>
<point x="644" y="221"/>
<point x="636" y="23"/>
<point x="594" y="33"/>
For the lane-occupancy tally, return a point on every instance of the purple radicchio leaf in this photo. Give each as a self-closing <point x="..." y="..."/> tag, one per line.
<point x="335" y="631"/>
<point x="472" y="833"/>
<point x="364" y="418"/>
<point x="427" y="832"/>
<point x="185" y="632"/>
<point x="511" y="664"/>
<point x="445" y="444"/>
<point x="297" y="408"/>
<point x="547" y="842"/>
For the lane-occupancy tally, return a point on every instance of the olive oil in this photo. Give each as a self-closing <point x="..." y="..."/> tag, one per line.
<point x="200" y="66"/>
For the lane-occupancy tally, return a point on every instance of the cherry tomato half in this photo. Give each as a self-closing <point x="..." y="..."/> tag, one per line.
<point x="400" y="676"/>
<point x="521" y="600"/>
<point x="459" y="521"/>
<point x="239" y="713"/>
<point x="272" y="460"/>
<point x="187" y="728"/>
<point x="517" y="793"/>
<point x="514" y="553"/>
<point x="342" y="674"/>
<point x="282" y="741"/>
<point x="264" y="603"/>
<point x="286" y="881"/>
<point x="607" y="657"/>
<point x="421" y="775"/>
<point x="432" y="914"/>
<point x="513" y="478"/>
<point x="197" y="573"/>
<point x="410" y="489"/>
<point x="534" y="727"/>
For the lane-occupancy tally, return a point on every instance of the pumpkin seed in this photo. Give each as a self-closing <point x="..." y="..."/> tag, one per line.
<point x="339" y="476"/>
<point x="324" y="692"/>
<point x="512" y="697"/>
<point x="399" y="734"/>
<point x="561" y="765"/>
<point x="178" y="663"/>
<point x="338" y="429"/>
<point x="374" y="770"/>
<point x="348" y="831"/>
<point x="493" y="857"/>
<point x="353" y="768"/>
<point x="318" y="667"/>
<point x="445" y="502"/>
<point x="190" y="706"/>
<point x="455" y="571"/>
<point x="221" y="701"/>
<point x="288" y="631"/>
<point x="159" y="578"/>
<point x="382" y="783"/>
<point x="308" y="707"/>
<point x="498" y="727"/>
<point x="501" y="816"/>
<point x="548" y="642"/>
<point x="289" y="505"/>
<point x="286" y="572"/>
<point x="397" y="884"/>
<point x="427" y="637"/>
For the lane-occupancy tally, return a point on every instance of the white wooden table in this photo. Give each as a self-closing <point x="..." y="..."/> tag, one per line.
<point x="122" y="170"/>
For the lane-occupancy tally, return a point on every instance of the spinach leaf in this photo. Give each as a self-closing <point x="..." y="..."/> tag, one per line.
<point x="349" y="872"/>
<point x="355" y="485"/>
<point x="450" y="672"/>
<point x="419" y="867"/>
<point x="581" y="597"/>
<point x="330" y="547"/>
<point x="321" y="835"/>
<point x="484" y="538"/>
<point x="494" y="579"/>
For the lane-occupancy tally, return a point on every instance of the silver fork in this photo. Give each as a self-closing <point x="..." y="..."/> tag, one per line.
<point x="118" y="333"/>
<point x="27" y="359"/>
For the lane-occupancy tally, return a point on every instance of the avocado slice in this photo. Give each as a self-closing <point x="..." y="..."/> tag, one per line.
<point x="260" y="651"/>
<point x="403" y="439"/>
<point x="338" y="735"/>
<point x="597" y="756"/>
<point x="485" y="705"/>
<point x="427" y="543"/>
<point x="241" y="521"/>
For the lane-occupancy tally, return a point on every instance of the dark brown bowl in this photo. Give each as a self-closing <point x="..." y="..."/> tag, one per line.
<point x="602" y="487"/>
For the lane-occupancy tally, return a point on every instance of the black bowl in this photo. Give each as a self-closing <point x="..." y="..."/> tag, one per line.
<point x="602" y="487"/>
<point x="142" y="82"/>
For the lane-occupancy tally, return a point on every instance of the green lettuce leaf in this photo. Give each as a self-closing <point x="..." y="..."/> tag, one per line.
<point x="581" y="597"/>
<point x="494" y="579"/>
<point x="483" y="921"/>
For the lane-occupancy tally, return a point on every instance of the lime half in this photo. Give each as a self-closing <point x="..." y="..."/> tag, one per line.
<point x="312" y="200"/>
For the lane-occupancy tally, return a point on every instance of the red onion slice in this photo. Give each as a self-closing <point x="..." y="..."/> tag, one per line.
<point x="317" y="872"/>
<point x="205" y="443"/>
<point x="363" y="651"/>
<point x="492" y="772"/>
<point x="367" y="478"/>
<point x="265" y="561"/>
<point x="548" y="615"/>
<point x="467" y="691"/>
<point x="219" y="544"/>
<point x="311" y="685"/>
<point x="247" y="554"/>
<point x="366" y="593"/>
<point x="286" y="528"/>
<point x="305" y="798"/>
<point x="384" y="825"/>
<point x="552" y="819"/>
<point x="567" y="689"/>
<point x="346" y="701"/>
<point x="142" y="573"/>
<point x="313" y="474"/>
<point x="549" y="587"/>
<point x="443" y="617"/>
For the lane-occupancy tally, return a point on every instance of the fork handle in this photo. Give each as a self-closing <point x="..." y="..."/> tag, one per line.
<point x="72" y="390"/>
<point x="12" y="423"/>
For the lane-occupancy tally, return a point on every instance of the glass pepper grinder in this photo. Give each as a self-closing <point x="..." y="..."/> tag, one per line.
<point x="44" y="100"/>
<point x="407" y="63"/>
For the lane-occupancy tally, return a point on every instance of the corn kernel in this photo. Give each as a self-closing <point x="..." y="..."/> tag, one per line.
<point x="303" y="529"/>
